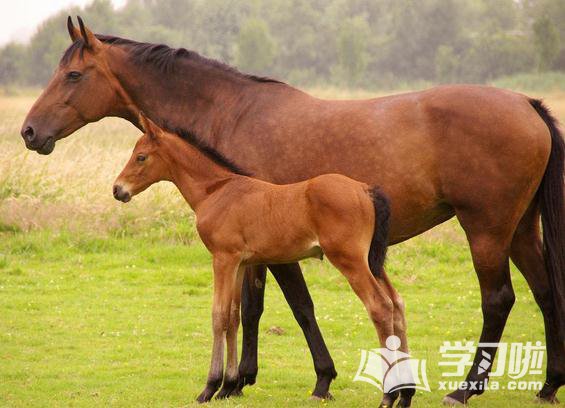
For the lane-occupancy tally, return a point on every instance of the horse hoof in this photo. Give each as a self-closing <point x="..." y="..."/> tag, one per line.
<point x="327" y="397"/>
<point x="552" y="400"/>
<point x="247" y="379"/>
<point x="451" y="402"/>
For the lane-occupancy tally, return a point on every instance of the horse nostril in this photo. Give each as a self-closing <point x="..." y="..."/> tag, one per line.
<point x="28" y="134"/>
<point x="117" y="191"/>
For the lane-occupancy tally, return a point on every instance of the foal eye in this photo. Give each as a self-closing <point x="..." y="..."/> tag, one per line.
<point x="74" y="75"/>
<point x="140" y="158"/>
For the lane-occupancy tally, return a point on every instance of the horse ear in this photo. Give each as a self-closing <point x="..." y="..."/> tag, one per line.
<point x="90" y="40"/>
<point x="74" y="32"/>
<point x="149" y="127"/>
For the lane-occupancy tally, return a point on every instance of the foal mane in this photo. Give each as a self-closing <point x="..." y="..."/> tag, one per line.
<point x="161" y="56"/>
<point x="207" y="150"/>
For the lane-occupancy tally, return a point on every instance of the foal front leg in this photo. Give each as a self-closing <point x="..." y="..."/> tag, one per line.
<point x="230" y="386"/>
<point x="225" y="268"/>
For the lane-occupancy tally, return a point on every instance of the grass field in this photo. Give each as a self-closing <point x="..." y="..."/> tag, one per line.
<point x="105" y="304"/>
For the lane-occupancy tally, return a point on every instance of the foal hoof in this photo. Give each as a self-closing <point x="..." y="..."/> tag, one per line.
<point x="404" y="403"/>
<point x="388" y="399"/>
<point x="205" y="396"/>
<point x="228" y="391"/>
<point x="327" y="397"/>
<point x="451" y="402"/>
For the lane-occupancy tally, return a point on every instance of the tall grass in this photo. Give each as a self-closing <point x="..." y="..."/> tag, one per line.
<point x="71" y="188"/>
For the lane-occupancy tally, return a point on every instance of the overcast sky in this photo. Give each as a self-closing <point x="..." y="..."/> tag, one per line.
<point x="20" y="18"/>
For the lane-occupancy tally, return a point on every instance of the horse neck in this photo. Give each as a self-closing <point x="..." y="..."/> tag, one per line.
<point x="195" y="175"/>
<point x="197" y="97"/>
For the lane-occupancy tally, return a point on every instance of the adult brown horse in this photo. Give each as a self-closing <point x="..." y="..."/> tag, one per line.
<point x="491" y="157"/>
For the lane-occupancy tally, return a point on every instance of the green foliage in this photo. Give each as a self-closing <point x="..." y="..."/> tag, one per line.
<point x="533" y="82"/>
<point x="352" y="50"/>
<point x="255" y="46"/>
<point x="547" y="42"/>
<point x="11" y="63"/>
<point x="368" y="43"/>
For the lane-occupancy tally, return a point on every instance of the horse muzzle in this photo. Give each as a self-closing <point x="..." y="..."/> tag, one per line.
<point x="42" y="145"/>
<point x="120" y="194"/>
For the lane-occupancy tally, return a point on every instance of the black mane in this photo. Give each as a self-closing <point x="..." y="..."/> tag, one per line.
<point x="166" y="60"/>
<point x="163" y="57"/>
<point x="208" y="150"/>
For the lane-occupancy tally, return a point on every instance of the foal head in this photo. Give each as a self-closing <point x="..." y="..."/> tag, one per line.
<point x="146" y="166"/>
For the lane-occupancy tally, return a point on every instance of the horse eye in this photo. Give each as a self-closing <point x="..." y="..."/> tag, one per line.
<point x="141" y="158"/>
<point x="74" y="75"/>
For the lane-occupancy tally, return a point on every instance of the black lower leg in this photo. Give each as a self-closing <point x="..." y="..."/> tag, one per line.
<point x="527" y="254"/>
<point x="555" y="372"/>
<point x="291" y="281"/>
<point x="252" y="297"/>
<point x="496" y="306"/>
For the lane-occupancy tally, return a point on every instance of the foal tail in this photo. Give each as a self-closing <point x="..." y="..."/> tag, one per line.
<point x="379" y="242"/>
<point x="552" y="206"/>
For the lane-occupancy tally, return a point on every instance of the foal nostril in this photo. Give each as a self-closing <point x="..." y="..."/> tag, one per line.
<point x="28" y="134"/>
<point x="120" y="194"/>
<point x="117" y="192"/>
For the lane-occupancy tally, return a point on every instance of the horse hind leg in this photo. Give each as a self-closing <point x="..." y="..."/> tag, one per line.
<point x="490" y="253"/>
<point x="527" y="255"/>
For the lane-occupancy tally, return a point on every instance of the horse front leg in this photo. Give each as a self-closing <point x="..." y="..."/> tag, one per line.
<point x="253" y="295"/>
<point x="225" y="268"/>
<point x="291" y="281"/>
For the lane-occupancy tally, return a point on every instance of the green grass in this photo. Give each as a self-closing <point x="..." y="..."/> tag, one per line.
<point x="125" y="321"/>
<point x="103" y="304"/>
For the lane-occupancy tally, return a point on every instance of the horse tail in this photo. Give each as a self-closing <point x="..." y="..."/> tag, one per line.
<point x="379" y="241"/>
<point x="552" y="205"/>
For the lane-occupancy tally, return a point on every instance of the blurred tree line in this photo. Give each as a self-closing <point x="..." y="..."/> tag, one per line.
<point x="373" y="43"/>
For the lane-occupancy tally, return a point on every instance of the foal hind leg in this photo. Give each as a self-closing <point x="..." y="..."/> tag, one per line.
<point x="399" y="321"/>
<point x="374" y="296"/>
<point x="527" y="255"/>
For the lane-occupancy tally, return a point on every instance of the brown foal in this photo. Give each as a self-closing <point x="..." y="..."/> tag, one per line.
<point x="245" y="221"/>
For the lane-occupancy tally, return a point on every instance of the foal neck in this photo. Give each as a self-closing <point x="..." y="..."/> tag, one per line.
<point x="196" y="175"/>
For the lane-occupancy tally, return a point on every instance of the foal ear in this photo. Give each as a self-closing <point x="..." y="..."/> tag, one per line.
<point x="90" y="40"/>
<point x="149" y="127"/>
<point x="74" y="32"/>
